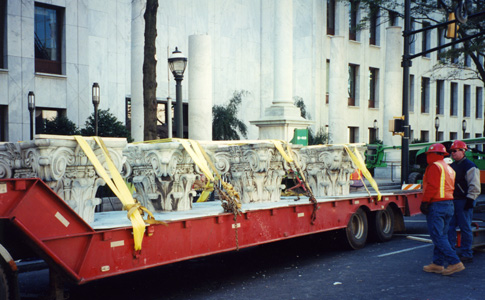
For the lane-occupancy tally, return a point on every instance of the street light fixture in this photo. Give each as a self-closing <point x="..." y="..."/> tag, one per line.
<point x="177" y="63"/>
<point x="96" y="100"/>
<point x="463" y="127"/>
<point x="31" y="99"/>
<point x="375" y="130"/>
<point x="436" y="126"/>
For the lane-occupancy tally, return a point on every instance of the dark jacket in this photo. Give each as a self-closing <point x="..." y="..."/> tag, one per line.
<point x="467" y="181"/>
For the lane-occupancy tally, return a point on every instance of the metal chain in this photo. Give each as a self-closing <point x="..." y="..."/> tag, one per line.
<point x="230" y="204"/>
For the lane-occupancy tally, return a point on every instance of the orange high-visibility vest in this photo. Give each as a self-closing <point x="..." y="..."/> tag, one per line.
<point x="357" y="175"/>
<point x="439" y="186"/>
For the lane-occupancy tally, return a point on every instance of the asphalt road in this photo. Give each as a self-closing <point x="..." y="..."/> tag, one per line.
<point x="312" y="267"/>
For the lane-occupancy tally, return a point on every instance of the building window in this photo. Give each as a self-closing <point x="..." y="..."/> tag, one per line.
<point x="466" y="100"/>
<point x="468" y="60"/>
<point x="3" y="123"/>
<point x="453" y="135"/>
<point x="48" y="38"/>
<point x="440" y="136"/>
<point x="353" y="14"/>
<point x="424" y="136"/>
<point x="393" y="18"/>
<point x="327" y="81"/>
<point x="374" y="25"/>
<point x="373" y="135"/>
<point x="426" y="39"/>
<point x="454" y="99"/>
<point x="425" y="95"/>
<point x="3" y="30"/>
<point x="331" y="17"/>
<point x="479" y="102"/>
<point x="373" y="87"/>
<point x="456" y="55"/>
<point x="412" y="48"/>
<point x="353" y="134"/>
<point x="440" y="97"/>
<point x="352" y="84"/>
<point x="441" y="42"/>
<point x="44" y="114"/>
<point x="411" y="93"/>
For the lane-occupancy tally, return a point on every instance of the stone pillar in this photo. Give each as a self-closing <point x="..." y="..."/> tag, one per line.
<point x="282" y="117"/>
<point x="283" y="53"/>
<point x="200" y="87"/>
<point x="392" y="103"/>
<point x="392" y="81"/>
<point x="137" y="44"/>
<point x="338" y="97"/>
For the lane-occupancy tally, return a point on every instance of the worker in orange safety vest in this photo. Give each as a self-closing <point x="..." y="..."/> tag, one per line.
<point x="437" y="205"/>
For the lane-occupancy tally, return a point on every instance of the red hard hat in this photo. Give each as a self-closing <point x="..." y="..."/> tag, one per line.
<point x="458" y="145"/>
<point x="437" y="148"/>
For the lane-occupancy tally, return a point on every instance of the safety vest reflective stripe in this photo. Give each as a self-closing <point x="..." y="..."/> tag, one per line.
<point x="442" y="180"/>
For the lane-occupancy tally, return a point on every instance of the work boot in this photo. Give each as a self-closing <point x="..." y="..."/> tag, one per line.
<point x="433" y="268"/>
<point x="453" y="268"/>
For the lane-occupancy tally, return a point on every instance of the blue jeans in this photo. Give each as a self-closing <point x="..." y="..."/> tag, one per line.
<point x="463" y="219"/>
<point x="438" y="219"/>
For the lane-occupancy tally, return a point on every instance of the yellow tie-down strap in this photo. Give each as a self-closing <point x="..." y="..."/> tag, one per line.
<point x="360" y="163"/>
<point x="119" y="188"/>
<point x="289" y="158"/>
<point x="202" y="160"/>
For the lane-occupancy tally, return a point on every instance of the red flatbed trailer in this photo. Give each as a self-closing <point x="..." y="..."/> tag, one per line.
<point x="37" y="222"/>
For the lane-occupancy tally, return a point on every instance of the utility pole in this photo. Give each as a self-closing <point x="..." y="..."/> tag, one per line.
<point x="406" y="63"/>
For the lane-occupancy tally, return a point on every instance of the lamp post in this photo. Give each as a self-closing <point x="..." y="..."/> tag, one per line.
<point x="436" y="126"/>
<point x="177" y="63"/>
<point x="463" y="127"/>
<point x="96" y="100"/>
<point x="31" y="99"/>
<point x="375" y="130"/>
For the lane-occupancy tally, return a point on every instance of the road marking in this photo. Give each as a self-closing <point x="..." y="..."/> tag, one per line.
<point x="404" y="250"/>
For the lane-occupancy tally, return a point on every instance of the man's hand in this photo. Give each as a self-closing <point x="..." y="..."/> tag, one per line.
<point x="424" y="207"/>
<point x="468" y="204"/>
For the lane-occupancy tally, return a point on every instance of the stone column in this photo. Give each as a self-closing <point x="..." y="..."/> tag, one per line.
<point x="200" y="87"/>
<point x="392" y="103"/>
<point x="282" y="117"/>
<point x="137" y="42"/>
<point x="392" y="81"/>
<point x="338" y="96"/>
<point x="283" y="53"/>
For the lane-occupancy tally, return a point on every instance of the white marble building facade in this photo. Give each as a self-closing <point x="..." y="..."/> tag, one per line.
<point x="102" y="41"/>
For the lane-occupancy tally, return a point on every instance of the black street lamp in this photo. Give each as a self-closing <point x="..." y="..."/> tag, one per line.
<point x="375" y="130"/>
<point x="31" y="102"/>
<point x="96" y="100"/>
<point x="463" y="127"/>
<point x="436" y="126"/>
<point x="177" y="63"/>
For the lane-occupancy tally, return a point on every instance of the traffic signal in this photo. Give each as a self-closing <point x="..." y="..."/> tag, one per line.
<point x="396" y="126"/>
<point x="452" y="28"/>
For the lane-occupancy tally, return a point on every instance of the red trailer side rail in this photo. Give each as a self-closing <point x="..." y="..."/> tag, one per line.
<point x="65" y="241"/>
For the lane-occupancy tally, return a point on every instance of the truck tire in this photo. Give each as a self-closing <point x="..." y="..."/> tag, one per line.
<point x="382" y="225"/>
<point x="414" y="177"/>
<point x="8" y="285"/>
<point x="357" y="230"/>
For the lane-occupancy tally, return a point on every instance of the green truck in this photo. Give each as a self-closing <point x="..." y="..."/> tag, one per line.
<point x="376" y="157"/>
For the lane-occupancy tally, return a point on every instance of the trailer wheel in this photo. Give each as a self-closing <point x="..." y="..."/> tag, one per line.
<point x="383" y="225"/>
<point x="8" y="286"/>
<point x="357" y="229"/>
